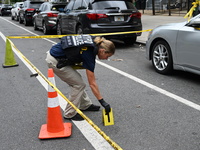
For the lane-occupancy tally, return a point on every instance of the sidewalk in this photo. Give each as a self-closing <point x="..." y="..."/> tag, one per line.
<point x="150" y="22"/>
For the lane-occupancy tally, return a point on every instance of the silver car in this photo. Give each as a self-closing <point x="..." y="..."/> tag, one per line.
<point x="175" y="46"/>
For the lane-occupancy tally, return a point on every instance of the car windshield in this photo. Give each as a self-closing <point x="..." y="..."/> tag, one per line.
<point x="112" y="5"/>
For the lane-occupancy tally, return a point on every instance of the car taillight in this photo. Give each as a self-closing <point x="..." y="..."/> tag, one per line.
<point x="96" y="16"/>
<point x="137" y="15"/>
<point x="52" y="15"/>
<point x="30" y="9"/>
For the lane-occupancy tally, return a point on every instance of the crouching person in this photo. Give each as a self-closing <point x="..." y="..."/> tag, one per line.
<point x="75" y="52"/>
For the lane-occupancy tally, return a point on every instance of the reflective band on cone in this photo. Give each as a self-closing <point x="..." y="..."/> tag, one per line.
<point x="55" y="128"/>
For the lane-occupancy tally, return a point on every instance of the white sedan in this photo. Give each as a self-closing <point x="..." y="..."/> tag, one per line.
<point x="175" y="46"/>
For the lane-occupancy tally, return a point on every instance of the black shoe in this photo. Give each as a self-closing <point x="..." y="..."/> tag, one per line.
<point x="92" y="108"/>
<point x="77" y="117"/>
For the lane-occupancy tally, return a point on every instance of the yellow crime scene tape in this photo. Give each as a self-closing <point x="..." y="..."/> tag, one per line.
<point x="107" y="138"/>
<point x="60" y="36"/>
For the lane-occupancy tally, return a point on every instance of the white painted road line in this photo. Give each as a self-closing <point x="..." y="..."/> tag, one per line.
<point x="153" y="87"/>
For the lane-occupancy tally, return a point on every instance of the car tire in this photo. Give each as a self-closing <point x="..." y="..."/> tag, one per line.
<point x="12" y="17"/>
<point x="35" y="25"/>
<point x="130" y="41"/>
<point x="26" y="23"/>
<point x="162" y="57"/>
<point x="79" y="30"/>
<point x="44" y="28"/>
<point x="16" y="17"/>
<point x="59" y="29"/>
<point x="20" y="20"/>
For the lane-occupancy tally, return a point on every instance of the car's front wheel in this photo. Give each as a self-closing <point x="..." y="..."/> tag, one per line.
<point x="20" y="20"/>
<point x="12" y="17"/>
<point x="35" y="25"/>
<point x="58" y="29"/>
<point x="44" y="28"/>
<point x="26" y="23"/>
<point x="79" y="30"/>
<point x="16" y="17"/>
<point x="162" y="57"/>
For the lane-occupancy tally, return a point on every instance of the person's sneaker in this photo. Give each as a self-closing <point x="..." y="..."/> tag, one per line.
<point x="92" y="108"/>
<point x="77" y="117"/>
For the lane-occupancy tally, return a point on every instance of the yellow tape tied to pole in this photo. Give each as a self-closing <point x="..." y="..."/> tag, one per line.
<point x="189" y="14"/>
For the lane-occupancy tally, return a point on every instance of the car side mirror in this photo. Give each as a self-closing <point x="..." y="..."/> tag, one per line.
<point x="194" y="23"/>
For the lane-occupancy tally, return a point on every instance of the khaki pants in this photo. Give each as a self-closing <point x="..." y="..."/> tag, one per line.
<point x="77" y="95"/>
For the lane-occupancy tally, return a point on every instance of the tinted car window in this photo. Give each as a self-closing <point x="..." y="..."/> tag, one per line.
<point x="77" y="5"/>
<point x="84" y="4"/>
<point x="41" y="7"/>
<point x="112" y="4"/>
<point x="45" y="7"/>
<point x="69" y="6"/>
<point x="34" y="5"/>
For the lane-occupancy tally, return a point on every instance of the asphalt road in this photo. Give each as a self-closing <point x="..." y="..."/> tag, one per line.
<point x="151" y="111"/>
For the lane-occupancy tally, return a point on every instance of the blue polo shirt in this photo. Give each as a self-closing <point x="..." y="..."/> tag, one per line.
<point x="88" y="55"/>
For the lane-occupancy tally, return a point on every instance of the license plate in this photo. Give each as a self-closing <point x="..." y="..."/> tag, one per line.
<point x="119" y="18"/>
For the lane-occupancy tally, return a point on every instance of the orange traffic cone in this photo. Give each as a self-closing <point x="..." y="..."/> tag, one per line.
<point x="55" y="128"/>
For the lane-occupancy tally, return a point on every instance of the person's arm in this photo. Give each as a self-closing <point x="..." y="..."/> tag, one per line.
<point x="95" y="90"/>
<point x="93" y="84"/>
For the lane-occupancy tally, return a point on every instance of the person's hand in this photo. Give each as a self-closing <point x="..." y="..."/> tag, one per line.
<point x="105" y="105"/>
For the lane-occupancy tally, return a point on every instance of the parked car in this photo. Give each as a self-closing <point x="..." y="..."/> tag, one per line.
<point x="45" y="17"/>
<point x="175" y="46"/>
<point x="27" y="12"/>
<point x="100" y="16"/>
<point x="5" y="9"/>
<point x="15" y="10"/>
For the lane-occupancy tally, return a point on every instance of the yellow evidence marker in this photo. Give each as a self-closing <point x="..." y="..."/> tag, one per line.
<point x="108" y="119"/>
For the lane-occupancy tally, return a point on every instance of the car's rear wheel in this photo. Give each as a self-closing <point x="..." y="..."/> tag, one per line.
<point x="79" y="30"/>
<point x="58" y="29"/>
<point x="130" y="41"/>
<point x="162" y="57"/>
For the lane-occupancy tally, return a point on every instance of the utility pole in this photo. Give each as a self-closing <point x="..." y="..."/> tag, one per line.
<point x="169" y="7"/>
<point x="153" y="7"/>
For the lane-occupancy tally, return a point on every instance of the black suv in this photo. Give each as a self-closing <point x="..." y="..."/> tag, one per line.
<point x="28" y="10"/>
<point x="100" y="16"/>
<point x="45" y="17"/>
